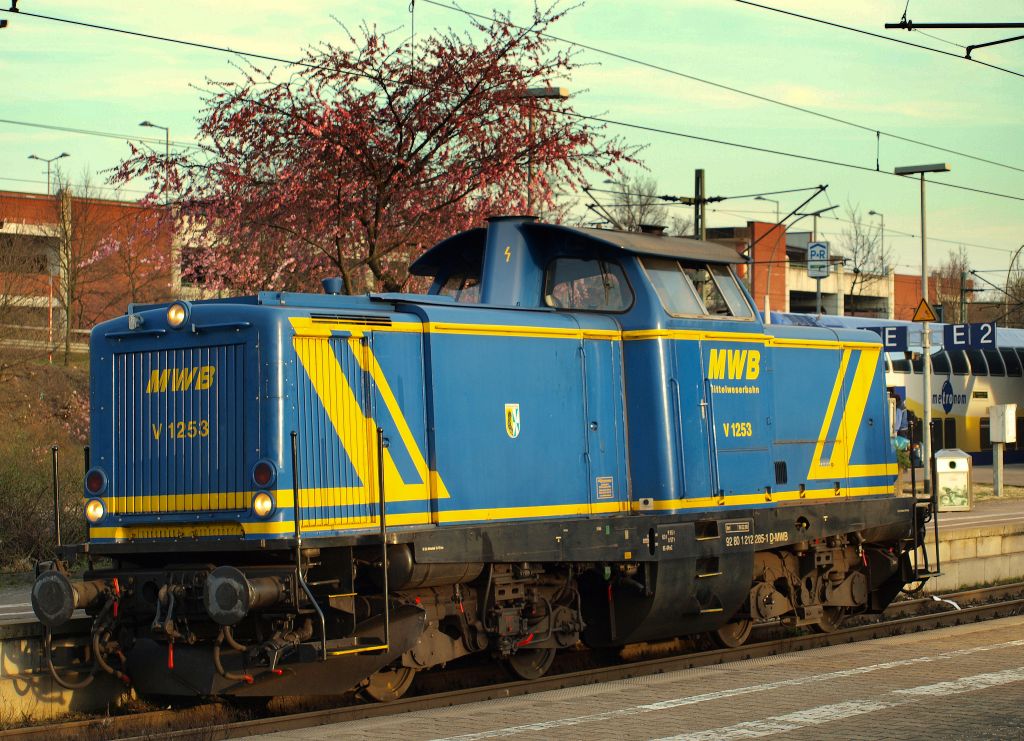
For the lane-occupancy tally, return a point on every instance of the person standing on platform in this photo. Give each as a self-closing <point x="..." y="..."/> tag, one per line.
<point x="902" y="422"/>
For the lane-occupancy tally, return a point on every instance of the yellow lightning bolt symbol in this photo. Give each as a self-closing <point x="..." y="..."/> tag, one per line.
<point x="508" y="254"/>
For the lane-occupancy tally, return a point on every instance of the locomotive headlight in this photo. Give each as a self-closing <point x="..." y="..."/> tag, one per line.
<point x="94" y="510"/>
<point x="262" y="504"/>
<point x="177" y="313"/>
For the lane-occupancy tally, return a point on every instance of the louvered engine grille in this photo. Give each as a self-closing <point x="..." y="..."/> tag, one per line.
<point x="179" y="431"/>
<point x="368" y="320"/>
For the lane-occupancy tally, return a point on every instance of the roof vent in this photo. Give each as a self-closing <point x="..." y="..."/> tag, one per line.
<point x="658" y="229"/>
<point x="332" y="286"/>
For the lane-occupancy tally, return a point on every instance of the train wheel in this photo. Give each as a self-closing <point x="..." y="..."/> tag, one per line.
<point x="831" y="620"/>
<point x="389" y="684"/>
<point x="531" y="663"/>
<point x="734" y="634"/>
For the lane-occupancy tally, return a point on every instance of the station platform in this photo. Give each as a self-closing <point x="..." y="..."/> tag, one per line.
<point x="955" y="683"/>
<point x="15" y="593"/>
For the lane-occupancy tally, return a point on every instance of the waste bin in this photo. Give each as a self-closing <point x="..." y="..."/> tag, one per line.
<point x="953" y="480"/>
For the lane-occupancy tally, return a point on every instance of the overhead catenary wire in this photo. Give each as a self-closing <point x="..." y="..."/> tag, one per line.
<point x="581" y="116"/>
<point x="833" y="24"/>
<point x="156" y="37"/>
<point x="766" y="150"/>
<point x="739" y="91"/>
<point x="104" y="134"/>
<point x="580" y="45"/>
<point x="889" y="231"/>
<point x="95" y="187"/>
<point x="939" y="39"/>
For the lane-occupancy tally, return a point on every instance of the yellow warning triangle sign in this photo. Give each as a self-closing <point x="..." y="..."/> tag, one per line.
<point x="925" y="313"/>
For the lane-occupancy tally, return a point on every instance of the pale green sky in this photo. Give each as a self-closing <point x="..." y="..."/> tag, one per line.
<point x="58" y="74"/>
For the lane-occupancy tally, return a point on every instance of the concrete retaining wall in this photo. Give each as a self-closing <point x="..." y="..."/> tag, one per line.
<point x="975" y="556"/>
<point x="28" y="691"/>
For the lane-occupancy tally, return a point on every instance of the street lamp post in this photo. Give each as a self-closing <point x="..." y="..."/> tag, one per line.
<point x="48" y="161"/>
<point x="49" y="311"/>
<point x="926" y="340"/>
<point x="881" y="251"/>
<point x="881" y="216"/>
<point x="167" y="157"/>
<point x="536" y="93"/>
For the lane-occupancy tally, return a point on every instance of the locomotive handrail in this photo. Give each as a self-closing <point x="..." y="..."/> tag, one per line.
<point x="381" y="444"/>
<point x="298" y="547"/>
<point x="135" y="333"/>
<point x="197" y="328"/>
<point x="926" y="508"/>
<point x="708" y="404"/>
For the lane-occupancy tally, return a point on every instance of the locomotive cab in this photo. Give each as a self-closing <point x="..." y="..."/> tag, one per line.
<point x="649" y="293"/>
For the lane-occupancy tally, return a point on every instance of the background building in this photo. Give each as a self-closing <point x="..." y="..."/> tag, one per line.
<point x="778" y="271"/>
<point x="68" y="262"/>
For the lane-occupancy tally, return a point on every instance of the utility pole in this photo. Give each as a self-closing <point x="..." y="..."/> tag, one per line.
<point x="700" y="227"/>
<point x="963" y="296"/>
<point x="926" y="341"/>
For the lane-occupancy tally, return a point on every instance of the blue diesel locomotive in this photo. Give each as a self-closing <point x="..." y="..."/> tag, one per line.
<point x="576" y="435"/>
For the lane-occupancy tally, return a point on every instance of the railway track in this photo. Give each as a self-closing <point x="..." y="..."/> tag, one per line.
<point x="907" y="616"/>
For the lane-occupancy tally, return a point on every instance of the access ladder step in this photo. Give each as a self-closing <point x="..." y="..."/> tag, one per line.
<point x="356" y="645"/>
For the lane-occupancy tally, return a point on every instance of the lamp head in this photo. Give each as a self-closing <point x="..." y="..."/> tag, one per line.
<point x="922" y="169"/>
<point x="555" y="93"/>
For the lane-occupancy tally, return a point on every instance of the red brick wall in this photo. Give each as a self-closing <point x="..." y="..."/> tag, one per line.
<point x="122" y="252"/>
<point x="907" y="290"/>
<point x="769" y="258"/>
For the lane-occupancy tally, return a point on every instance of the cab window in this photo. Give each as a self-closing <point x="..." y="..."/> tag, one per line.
<point x="958" y="362"/>
<point x="900" y="363"/>
<point x="586" y="285"/>
<point x="995" y="363"/>
<point x="940" y="362"/>
<point x="1013" y="364"/>
<point x="687" y="289"/>
<point x="677" y="294"/>
<point x="708" y="290"/>
<point x="463" y="287"/>
<point x="726" y="282"/>
<point x="978" y="365"/>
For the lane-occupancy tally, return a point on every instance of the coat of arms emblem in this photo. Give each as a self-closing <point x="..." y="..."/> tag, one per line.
<point x="512" y="420"/>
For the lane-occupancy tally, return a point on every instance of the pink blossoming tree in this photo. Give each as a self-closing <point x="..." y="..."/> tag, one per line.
<point x="356" y="158"/>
